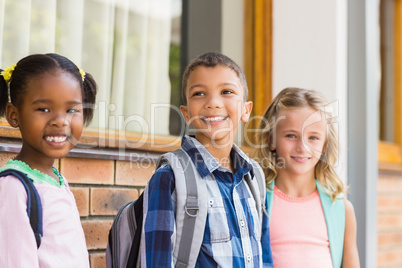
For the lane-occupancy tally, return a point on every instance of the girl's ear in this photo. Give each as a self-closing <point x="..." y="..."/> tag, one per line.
<point x="12" y="115"/>
<point x="272" y="146"/>
<point x="185" y="114"/>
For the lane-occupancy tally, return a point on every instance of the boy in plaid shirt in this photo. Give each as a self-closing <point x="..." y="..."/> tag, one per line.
<point x="214" y="91"/>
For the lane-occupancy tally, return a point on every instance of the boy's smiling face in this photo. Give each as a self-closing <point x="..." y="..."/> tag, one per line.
<point x="215" y="105"/>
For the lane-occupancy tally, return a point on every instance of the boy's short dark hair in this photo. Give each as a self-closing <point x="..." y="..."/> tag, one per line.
<point x="213" y="59"/>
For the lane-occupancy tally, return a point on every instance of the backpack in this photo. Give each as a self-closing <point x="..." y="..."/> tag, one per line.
<point x="34" y="205"/>
<point x="123" y="248"/>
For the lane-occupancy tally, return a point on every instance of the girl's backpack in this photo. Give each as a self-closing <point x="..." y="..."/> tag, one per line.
<point x="123" y="248"/>
<point x="34" y="205"/>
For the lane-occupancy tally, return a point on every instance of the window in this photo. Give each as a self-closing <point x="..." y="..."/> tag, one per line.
<point x="390" y="121"/>
<point x="131" y="47"/>
<point x="136" y="50"/>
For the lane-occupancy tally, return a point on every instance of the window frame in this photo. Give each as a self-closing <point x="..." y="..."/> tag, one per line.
<point x="391" y="152"/>
<point x="258" y="59"/>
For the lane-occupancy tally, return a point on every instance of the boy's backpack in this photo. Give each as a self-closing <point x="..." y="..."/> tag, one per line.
<point x="34" y="205"/>
<point x="123" y="249"/>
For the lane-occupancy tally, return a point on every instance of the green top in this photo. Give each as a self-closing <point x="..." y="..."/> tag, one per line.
<point x="35" y="175"/>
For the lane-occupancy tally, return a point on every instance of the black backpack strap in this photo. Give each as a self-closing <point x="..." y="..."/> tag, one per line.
<point x="34" y="205"/>
<point x="135" y="247"/>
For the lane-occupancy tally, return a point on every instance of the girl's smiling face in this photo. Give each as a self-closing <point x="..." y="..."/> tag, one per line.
<point x="299" y="141"/>
<point x="49" y="116"/>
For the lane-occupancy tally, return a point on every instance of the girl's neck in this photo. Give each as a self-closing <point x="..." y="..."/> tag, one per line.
<point x="296" y="186"/>
<point x="46" y="167"/>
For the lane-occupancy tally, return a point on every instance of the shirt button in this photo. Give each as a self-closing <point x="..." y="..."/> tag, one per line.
<point x="242" y="223"/>
<point x="248" y="257"/>
<point x="211" y="203"/>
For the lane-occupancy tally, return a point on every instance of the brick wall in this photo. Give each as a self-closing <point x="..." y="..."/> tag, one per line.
<point x="390" y="220"/>
<point x="100" y="188"/>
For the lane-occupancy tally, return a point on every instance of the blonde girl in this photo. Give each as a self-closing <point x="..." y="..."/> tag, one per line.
<point x="311" y="225"/>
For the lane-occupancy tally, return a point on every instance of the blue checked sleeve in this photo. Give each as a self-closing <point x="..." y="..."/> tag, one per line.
<point x="266" y="241"/>
<point x="160" y="219"/>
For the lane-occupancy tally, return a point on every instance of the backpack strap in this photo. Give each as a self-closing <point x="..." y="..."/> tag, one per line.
<point x="257" y="187"/>
<point x="270" y="196"/>
<point x="34" y="205"/>
<point x="191" y="208"/>
<point x="334" y="213"/>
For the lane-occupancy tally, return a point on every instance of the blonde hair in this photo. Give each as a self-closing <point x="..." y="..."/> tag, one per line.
<point x="295" y="98"/>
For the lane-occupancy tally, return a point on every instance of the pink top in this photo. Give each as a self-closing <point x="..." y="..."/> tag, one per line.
<point x="298" y="230"/>
<point x="63" y="242"/>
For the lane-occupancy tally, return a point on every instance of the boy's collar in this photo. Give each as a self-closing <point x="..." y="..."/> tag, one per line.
<point x="206" y="163"/>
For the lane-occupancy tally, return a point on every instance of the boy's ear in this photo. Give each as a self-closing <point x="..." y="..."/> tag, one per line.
<point x="185" y="114"/>
<point x="248" y="106"/>
<point x="12" y="115"/>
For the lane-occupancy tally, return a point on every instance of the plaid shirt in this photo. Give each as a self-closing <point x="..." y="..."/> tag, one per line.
<point x="233" y="235"/>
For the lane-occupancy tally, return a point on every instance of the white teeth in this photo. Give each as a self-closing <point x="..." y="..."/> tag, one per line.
<point x="212" y="119"/>
<point x="56" y="138"/>
<point x="302" y="158"/>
